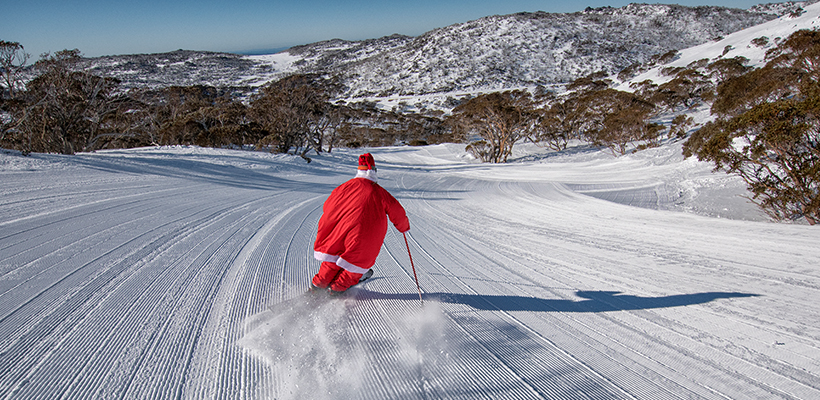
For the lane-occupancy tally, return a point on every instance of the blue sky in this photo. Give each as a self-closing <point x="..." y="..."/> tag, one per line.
<point x="98" y="27"/>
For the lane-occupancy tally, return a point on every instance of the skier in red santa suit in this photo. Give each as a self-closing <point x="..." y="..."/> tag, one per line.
<point x="352" y="228"/>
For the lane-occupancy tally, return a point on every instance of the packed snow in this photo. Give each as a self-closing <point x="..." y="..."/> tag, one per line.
<point x="181" y="272"/>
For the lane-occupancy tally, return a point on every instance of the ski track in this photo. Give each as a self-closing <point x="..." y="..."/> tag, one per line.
<point x="167" y="274"/>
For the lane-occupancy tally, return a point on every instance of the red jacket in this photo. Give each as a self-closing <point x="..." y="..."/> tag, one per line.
<point x="354" y="223"/>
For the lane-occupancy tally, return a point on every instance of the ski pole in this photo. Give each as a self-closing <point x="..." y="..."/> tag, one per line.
<point x="413" y="266"/>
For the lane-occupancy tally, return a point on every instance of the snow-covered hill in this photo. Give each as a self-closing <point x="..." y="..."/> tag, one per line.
<point x="750" y="43"/>
<point x="149" y="273"/>
<point x="492" y="53"/>
<point x="529" y="49"/>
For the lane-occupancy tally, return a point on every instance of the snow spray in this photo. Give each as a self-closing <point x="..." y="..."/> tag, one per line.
<point x="309" y="352"/>
<point x="342" y="349"/>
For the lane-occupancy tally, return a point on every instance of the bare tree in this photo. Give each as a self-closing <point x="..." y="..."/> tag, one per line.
<point x="64" y="106"/>
<point x="556" y="125"/>
<point x="500" y="118"/>
<point x="12" y="60"/>
<point x="296" y="113"/>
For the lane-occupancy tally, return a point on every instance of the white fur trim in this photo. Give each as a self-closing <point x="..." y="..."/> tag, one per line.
<point x="350" y="267"/>
<point x="338" y="261"/>
<point x="325" y="257"/>
<point x="367" y="174"/>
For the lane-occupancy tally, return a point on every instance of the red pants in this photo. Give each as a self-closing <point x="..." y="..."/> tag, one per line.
<point x="335" y="277"/>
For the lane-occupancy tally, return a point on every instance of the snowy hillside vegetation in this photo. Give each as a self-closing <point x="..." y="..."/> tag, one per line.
<point x="750" y="44"/>
<point x="180" y="68"/>
<point x="492" y="53"/>
<point x="178" y="272"/>
<point x="519" y="50"/>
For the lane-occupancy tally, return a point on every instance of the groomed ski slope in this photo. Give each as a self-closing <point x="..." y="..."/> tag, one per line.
<point x="149" y="273"/>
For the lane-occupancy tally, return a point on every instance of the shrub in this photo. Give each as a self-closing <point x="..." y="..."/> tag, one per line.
<point x="768" y="130"/>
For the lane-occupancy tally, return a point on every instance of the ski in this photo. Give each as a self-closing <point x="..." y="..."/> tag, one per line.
<point x="364" y="277"/>
<point x="315" y="291"/>
<point x="316" y="296"/>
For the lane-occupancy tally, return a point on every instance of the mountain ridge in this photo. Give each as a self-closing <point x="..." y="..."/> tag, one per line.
<point x="528" y="49"/>
<point x="487" y="54"/>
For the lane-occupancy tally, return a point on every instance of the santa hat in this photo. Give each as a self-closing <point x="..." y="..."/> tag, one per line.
<point x="366" y="162"/>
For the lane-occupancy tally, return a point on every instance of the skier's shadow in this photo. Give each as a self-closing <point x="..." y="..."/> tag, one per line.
<point x="595" y="301"/>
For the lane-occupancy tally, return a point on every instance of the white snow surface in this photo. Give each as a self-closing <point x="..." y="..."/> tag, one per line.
<point x="181" y="272"/>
